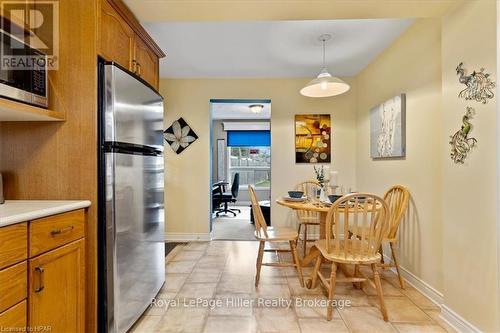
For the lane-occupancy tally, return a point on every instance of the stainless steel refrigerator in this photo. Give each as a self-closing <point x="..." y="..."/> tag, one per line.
<point x="131" y="190"/>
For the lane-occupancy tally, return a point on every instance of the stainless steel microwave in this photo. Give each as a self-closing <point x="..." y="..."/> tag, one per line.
<point x="23" y="72"/>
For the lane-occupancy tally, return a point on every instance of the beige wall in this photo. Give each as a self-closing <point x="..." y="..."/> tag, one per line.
<point x="187" y="174"/>
<point x="411" y="65"/>
<point x="470" y="199"/>
<point x="450" y="238"/>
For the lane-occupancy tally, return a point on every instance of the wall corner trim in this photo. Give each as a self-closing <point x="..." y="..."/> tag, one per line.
<point x="456" y="321"/>
<point x="187" y="237"/>
<point x="434" y="295"/>
<point x="447" y="314"/>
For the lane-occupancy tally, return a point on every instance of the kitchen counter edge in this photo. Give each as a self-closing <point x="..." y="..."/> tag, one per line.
<point x="44" y="208"/>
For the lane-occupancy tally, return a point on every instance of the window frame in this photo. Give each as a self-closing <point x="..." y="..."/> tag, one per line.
<point x="231" y="169"/>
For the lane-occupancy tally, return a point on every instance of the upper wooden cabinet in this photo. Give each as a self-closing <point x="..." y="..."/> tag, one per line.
<point x="146" y="62"/>
<point x="123" y="40"/>
<point x="116" y="37"/>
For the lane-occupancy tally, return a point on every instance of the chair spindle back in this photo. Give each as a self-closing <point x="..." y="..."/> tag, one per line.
<point x="397" y="198"/>
<point x="366" y="216"/>
<point x="310" y="189"/>
<point x="259" y="221"/>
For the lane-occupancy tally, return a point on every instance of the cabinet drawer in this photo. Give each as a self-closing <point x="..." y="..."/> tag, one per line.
<point x="53" y="231"/>
<point x="14" y="319"/>
<point x="13" y="285"/>
<point x="13" y="244"/>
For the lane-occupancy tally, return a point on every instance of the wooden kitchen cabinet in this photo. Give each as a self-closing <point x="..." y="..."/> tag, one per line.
<point x="123" y="40"/>
<point x="42" y="274"/>
<point x="53" y="231"/>
<point x="13" y="244"/>
<point x="116" y="37"/>
<point x="14" y="319"/>
<point x="56" y="289"/>
<point x="13" y="285"/>
<point x="146" y="62"/>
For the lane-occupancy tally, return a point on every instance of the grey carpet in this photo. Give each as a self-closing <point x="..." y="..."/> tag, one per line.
<point x="234" y="228"/>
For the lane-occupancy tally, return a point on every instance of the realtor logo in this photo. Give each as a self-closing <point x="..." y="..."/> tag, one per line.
<point x="30" y="34"/>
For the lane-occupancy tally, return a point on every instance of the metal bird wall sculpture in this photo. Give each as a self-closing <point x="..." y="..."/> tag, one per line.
<point x="461" y="143"/>
<point x="479" y="86"/>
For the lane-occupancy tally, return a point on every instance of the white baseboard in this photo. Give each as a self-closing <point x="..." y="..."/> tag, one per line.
<point x="426" y="289"/>
<point x="455" y="320"/>
<point x="188" y="237"/>
<point x="447" y="314"/>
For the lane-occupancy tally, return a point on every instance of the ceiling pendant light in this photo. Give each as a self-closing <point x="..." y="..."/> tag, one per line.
<point x="325" y="85"/>
<point x="256" y="108"/>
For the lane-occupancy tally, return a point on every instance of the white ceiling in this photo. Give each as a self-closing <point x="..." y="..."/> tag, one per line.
<point x="240" y="111"/>
<point x="270" y="49"/>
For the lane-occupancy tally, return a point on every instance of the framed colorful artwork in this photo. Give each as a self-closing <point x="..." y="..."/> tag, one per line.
<point x="313" y="133"/>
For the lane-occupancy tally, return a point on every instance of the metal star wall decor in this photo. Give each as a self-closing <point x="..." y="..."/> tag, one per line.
<point x="179" y="135"/>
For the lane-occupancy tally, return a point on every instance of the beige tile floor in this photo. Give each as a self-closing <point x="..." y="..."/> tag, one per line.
<point x="222" y="272"/>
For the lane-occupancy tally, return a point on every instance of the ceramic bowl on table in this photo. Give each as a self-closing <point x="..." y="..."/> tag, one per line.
<point x="334" y="197"/>
<point x="295" y="194"/>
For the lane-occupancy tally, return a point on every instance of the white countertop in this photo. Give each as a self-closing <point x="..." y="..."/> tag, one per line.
<point x="16" y="211"/>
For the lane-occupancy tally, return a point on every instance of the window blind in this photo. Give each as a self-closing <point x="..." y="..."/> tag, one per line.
<point x="249" y="138"/>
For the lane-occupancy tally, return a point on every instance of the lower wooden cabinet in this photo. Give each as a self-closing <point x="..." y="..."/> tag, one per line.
<point x="13" y="285"/>
<point x="14" y="319"/>
<point x="42" y="282"/>
<point x="56" y="289"/>
<point x="13" y="244"/>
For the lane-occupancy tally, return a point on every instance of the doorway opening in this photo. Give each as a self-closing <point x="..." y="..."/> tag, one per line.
<point x="240" y="156"/>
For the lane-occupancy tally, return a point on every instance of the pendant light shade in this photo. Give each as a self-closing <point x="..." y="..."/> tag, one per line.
<point x="325" y="85"/>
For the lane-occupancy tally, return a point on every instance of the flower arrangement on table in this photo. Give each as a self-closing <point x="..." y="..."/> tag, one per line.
<point x="320" y="175"/>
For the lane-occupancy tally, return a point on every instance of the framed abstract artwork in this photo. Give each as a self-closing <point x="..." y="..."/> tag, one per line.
<point x="388" y="129"/>
<point x="313" y="134"/>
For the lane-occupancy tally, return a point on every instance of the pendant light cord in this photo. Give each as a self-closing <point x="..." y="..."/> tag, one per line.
<point x="324" y="53"/>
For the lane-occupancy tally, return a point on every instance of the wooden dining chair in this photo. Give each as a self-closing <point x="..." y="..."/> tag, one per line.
<point x="358" y="211"/>
<point x="265" y="234"/>
<point x="397" y="198"/>
<point x="306" y="218"/>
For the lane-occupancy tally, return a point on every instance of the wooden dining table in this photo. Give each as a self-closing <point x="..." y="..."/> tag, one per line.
<point x="310" y="206"/>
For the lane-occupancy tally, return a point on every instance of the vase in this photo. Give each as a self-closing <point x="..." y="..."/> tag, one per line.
<point x="322" y="195"/>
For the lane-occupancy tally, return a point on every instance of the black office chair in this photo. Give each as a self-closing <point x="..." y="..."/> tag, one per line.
<point x="222" y="198"/>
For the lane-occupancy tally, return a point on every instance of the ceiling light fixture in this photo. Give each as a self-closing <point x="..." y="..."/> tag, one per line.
<point x="256" y="108"/>
<point x="325" y="85"/>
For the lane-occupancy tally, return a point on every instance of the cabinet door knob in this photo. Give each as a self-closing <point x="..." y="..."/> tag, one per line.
<point x="134" y="66"/>
<point x="39" y="271"/>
